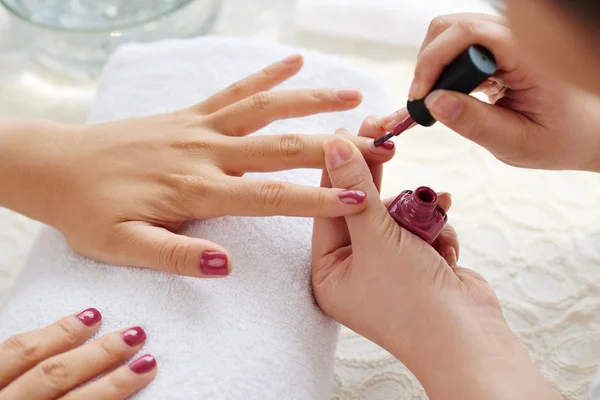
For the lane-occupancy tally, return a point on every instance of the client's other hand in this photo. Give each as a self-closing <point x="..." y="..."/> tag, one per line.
<point x="52" y="362"/>
<point x="121" y="189"/>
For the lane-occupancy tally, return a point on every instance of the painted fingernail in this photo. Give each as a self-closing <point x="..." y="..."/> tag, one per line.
<point x="388" y="145"/>
<point x="338" y="152"/>
<point x="450" y="256"/>
<point x="413" y="92"/>
<point x="293" y="59"/>
<point x="352" y="196"/>
<point x="89" y="316"/>
<point x="443" y="105"/>
<point x="214" y="263"/>
<point x="347" y="94"/>
<point x="144" y="364"/>
<point x="134" y="336"/>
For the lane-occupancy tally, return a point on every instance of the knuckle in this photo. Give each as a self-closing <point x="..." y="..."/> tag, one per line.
<point x="271" y="194"/>
<point x="56" y="374"/>
<point x="237" y="88"/>
<point x="111" y="347"/>
<point x="320" y="95"/>
<point x="291" y="145"/>
<point x="193" y="184"/>
<point x="119" y="384"/>
<point x="438" y="25"/>
<point x="68" y="334"/>
<point x="173" y="255"/>
<point x="353" y="181"/>
<point x="320" y="198"/>
<point x="260" y="101"/>
<point x="194" y="147"/>
<point x="467" y="27"/>
<point x="26" y="346"/>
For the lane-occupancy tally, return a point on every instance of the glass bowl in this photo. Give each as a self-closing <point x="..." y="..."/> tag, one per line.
<point x="76" y="37"/>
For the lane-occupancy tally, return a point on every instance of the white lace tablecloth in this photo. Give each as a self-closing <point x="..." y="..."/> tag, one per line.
<point x="534" y="235"/>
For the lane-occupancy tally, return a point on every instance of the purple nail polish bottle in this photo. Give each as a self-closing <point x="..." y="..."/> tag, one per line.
<point x="419" y="213"/>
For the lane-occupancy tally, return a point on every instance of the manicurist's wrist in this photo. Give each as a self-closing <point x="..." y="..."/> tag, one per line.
<point x="30" y="157"/>
<point x="474" y="357"/>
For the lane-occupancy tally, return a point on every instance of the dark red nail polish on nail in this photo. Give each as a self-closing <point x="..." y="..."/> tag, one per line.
<point x="352" y="196"/>
<point x="142" y="365"/>
<point x="89" y="317"/>
<point x="419" y="213"/>
<point x="214" y="263"/>
<point x="388" y="145"/>
<point x="134" y="336"/>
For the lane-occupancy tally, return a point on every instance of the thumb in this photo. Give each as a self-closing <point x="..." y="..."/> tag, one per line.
<point x="148" y="246"/>
<point x="348" y="169"/>
<point x="495" y="128"/>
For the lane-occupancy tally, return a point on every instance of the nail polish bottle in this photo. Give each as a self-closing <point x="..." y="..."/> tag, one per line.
<point x="419" y="213"/>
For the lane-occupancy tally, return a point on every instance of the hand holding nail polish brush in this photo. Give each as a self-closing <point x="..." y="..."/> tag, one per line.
<point x="469" y="70"/>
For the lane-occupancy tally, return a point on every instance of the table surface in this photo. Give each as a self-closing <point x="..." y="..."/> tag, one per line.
<point x="528" y="232"/>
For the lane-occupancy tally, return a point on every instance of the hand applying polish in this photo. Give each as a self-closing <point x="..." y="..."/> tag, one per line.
<point x="468" y="71"/>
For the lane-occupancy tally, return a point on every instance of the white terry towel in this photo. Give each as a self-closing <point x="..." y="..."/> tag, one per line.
<point x="257" y="334"/>
<point x="395" y="22"/>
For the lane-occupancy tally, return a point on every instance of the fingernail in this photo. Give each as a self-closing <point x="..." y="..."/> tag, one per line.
<point x="347" y="94"/>
<point x="134" y="336"/>
<point x="388" y="145"/>
<point x="450" y="256"/>
<point x="214" y="263"/>
<point x="413" y="92"/>
<point x="89" y="316"/>
<point x="383" y="121"/>
<point x="443" y="105"/>
<point x="339" y="152"/>
<point x="352" y="196"/>
<point x="293" y="59"/>
<point x="142" y="365"/>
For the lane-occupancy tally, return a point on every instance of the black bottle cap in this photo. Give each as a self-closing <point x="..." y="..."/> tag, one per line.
<point x="465" y="74"/>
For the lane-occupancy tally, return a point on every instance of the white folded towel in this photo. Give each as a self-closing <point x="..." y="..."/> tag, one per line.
<point x="257" y="334"/>
<point x="395" y="22"/>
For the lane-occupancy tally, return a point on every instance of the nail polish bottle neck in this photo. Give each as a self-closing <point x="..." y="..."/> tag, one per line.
<point x="422" y="204"/>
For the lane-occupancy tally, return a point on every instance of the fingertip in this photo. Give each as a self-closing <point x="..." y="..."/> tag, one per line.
<point x="445" y="201"/>
<point x="449" y="254"/>
<point x="90" y="317"/>
<point x="338" y="151"/>
<point x="343" y="132"/>
<point x="352" y="197"/>
<point x="215" y="264"/>
<point x="370" y="128"/>
<point x="351" y="98"/>
<point x="293" y="59"/>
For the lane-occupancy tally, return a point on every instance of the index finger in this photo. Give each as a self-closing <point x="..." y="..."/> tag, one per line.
<point x="442" y="23"/>
<point x="444" y="49"/>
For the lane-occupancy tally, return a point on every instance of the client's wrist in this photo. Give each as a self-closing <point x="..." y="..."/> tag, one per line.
<point x="473" y="355"/>
<point x="31" y="158"/>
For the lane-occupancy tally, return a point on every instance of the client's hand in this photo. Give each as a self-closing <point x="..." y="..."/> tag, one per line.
<point x="443" y="322"/>
<point x="119" y="190"/>
<point x="52" y="362"/>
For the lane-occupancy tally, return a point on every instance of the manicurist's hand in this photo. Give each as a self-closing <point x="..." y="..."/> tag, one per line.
<point x="533" y="121"/>
<point x="442" y="321"/>
<point x="118" y="191"/>
<point x="51" y="363"/>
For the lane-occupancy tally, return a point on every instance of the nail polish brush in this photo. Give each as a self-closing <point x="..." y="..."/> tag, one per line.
<point x="469" y="70"/>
